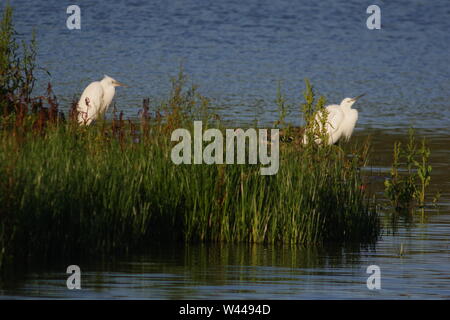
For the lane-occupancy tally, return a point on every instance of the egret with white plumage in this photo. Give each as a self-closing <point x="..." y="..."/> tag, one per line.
<point x="340" y="121"/>
<point x="96" y="99"/>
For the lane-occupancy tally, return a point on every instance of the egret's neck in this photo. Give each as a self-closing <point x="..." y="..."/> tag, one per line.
<point x="346" y="107"/>
<point x="108" y="89"/>
<point x="108" y="94"/>
<point x="104" y="82"/>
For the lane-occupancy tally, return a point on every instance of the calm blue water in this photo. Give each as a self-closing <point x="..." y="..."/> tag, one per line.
<point x="237" y="51"/>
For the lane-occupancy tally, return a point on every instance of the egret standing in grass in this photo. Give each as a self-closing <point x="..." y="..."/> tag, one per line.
<point x="340" y="122"/>
<point x="96" y="99"/>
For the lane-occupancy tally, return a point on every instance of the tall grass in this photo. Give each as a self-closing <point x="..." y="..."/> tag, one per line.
<point x="113" y="187"/>
<point x="110" y="188"/>
<point x="17" y="65"/>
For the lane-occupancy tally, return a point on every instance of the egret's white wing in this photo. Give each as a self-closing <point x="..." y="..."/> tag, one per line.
<point x="350" y="121"/>
<point x="334" y="119"/>
<point x="90" y="103"/>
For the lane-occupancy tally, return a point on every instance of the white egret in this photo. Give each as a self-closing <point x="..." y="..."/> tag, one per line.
<point x="341" y="120"/>
<point x="96" y="99"/>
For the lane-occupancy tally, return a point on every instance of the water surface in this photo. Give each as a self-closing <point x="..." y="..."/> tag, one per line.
<point x="237" y="51"/>
<point x="419" y="270"/>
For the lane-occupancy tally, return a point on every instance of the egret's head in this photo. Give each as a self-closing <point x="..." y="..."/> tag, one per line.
<point x="348" y="102"/>
<point x="113" y="82"/>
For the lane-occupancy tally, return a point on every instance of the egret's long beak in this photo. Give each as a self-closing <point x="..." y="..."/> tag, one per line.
<point x="118" y="84"/>
<point x="360" y="96"/>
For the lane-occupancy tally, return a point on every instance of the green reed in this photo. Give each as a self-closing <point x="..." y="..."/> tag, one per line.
<point x="406" y="188"/>
<point x="112" y="187"/>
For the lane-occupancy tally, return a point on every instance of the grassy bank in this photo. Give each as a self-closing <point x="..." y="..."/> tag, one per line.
<point x="67" y="190"/>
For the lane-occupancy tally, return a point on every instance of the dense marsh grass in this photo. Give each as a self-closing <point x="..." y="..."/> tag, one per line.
<point x="111" y="188"/>
<point x="65" y="194"/>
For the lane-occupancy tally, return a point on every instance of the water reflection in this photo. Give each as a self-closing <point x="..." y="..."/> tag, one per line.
<point x="195" y="271"/>
<point x="414" y="263"/>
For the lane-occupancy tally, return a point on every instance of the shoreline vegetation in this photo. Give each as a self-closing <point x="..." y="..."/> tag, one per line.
<point x="68" y="190"/>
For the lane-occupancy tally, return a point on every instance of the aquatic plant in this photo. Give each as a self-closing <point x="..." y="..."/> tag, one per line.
<point x="406" y="190"/>
<point x="423" y="173"/>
